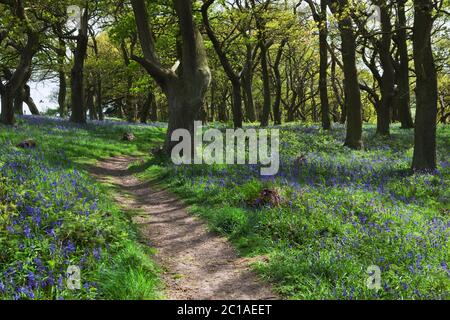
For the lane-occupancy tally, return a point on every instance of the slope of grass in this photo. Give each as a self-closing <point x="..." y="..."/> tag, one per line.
<point x="343" y="211"/>
<point x="53" y="215"/>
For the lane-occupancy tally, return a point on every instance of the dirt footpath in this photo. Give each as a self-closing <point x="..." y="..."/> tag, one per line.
<point x="197" y="263"/>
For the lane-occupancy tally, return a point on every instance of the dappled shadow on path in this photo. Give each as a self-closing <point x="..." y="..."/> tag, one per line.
<point x="198" y="264"/>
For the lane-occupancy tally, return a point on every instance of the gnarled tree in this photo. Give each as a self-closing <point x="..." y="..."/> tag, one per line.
<point x="186" y="83"/>
<point x="16" y="80"/>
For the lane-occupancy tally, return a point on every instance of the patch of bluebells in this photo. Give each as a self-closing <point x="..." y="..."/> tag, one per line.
<point x="57" y="123"/>
<point x="49" y="220"/>
<point x="359" y="208"/>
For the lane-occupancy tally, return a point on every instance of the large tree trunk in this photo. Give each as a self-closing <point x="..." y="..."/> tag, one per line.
<point x="19" y="76"/>
<point x="237" y="104"/>
<point x="186" y="88"/>
<point x="403" y="95"/>
<point x="78" y="95"/>
<point x="18" y="101"/>
<point x="426" y="88"/>
<point x="351" y="85"/>
<point x="7" y="100"/>
<point x="62" y="92"/>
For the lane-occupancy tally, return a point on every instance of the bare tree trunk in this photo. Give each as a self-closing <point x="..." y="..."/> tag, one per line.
<point x="340" y="103"/>
<point x="18" y="101"/>
<point x="29" y="101"/>
<point x="321" y="20"/>
<point x="426" y="88"/>
<point x="62" y="93"/>
<point x="276" y="70"/>
<point x="7" y="107"/>
<point x="266" y="85"/>
<point x="237" y="104"/>
<point x="186" y="88"/>
<point x="352" y="93"/>
<point x="404" y="110"/>
<point x="148" y="108"/>
<point x="247" y="84"/>
<point x="388" y="78"/>
<point x="323" y="87"/>
<point x="78" y="95"/>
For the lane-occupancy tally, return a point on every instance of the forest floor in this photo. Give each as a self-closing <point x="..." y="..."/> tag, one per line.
<point x="196" y="263"/>
<point x="341" y="212"/>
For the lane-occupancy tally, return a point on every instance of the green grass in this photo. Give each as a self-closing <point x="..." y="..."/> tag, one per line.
<point x="53" y="214"/>
<point x="343" y="212"/>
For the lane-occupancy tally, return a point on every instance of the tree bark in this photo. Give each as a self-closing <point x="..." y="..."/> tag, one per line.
<point x="266" y="85"/>
<point x="424" y="157"/>
<point x="148" y="108"/>
<point x="7" y="107"/>
<point x="26" y="97"/>
<point x="353" y="104"/>
<point x="62" y="92"/>
<point x="323" y="86"/>
<point x="185" y="87"/>
<point x="18" y="101"/>
<point x="403" y="99"/>
<point x="388" y="78"/>
<point x="237" y="104"/>
<point x="276" y="71"/>
<point x="247" y="86"/>
<point x="77" y="84"/>
<point x="321" y="21"/>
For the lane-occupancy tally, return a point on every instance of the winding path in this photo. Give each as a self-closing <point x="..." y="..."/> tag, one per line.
<point x="197" y="264"/>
